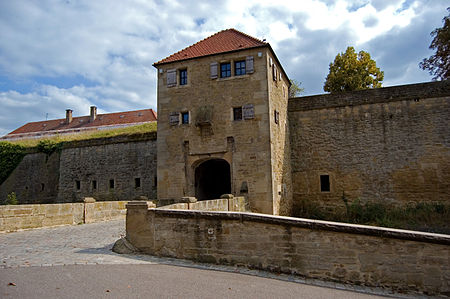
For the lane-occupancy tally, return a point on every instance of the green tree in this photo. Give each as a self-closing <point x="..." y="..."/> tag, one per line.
<point x="295" y="89"/>
<point x="351" y="71"/>
<point x="439" y="64"/>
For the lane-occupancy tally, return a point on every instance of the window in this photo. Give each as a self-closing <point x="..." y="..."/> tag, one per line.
<point x="237" y="113"/>
<point x="111" y="184"/>
<point x="325" y="183"/>
<point x="137" y="182"/>
<point x="42" y="186"/>
<point x="183" y="77"/>
<point x="94" y="185"/>
<point x="78" y="185"/>
<point x="276" y="116"/>
<point x="239" y="68"/>
<point x="185" y="118"/>
<point x="225" y="70"/>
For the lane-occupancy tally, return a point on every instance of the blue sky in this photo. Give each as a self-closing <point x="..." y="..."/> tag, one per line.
<point x="56" y="55"/>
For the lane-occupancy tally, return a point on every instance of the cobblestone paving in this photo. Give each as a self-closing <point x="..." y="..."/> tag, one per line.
<point x="91" y="244"/>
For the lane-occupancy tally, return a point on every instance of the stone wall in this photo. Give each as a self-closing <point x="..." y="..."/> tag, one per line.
<point x="116" y="168"/>
<point x="35" y="179"/>
<point x="15" y="217"/>
<point x="403" y="261"/>
<point x="390" y="145"/>
<point x="235" y="204"/>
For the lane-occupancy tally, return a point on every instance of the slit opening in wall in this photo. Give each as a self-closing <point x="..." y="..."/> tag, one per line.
<point x="111" y="184"/>
<point x="324" y="183"/>
<point x="78" y="185"/>
<point x="137" y="182"/>
<point x="94" y="185"/>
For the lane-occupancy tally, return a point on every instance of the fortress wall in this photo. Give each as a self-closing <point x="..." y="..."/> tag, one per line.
<point x="35" y="179"/>
<point x="50" y="179"/>
<point x="403" y="261"/>
<point x="389" y="144"/>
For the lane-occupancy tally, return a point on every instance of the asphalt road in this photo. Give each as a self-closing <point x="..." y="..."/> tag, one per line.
<point x="77" y="262"/>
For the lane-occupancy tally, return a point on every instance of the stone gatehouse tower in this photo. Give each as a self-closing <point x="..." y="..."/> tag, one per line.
<point x="222" y="126"/>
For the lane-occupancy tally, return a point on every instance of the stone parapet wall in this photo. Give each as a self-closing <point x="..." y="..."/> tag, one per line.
<point x="413" y="92"/>
<point x="235" y="204"/>
<point x="399" y="260"/>
<point x="15" y="217"/>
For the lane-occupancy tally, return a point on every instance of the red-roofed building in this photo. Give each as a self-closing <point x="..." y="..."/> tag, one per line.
<point x="222" y="106"/>
<point x="72" y="125"/>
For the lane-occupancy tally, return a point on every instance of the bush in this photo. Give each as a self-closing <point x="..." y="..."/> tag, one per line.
<point x="48" y="146"/>
<point x="10" y="157"/>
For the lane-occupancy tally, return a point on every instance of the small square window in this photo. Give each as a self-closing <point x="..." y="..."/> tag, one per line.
<point x="237" y="113"/>
<point x="325" y="183"/>
<point x="185" y="118"/>
<point x="239" y="68"/>
<point x="225" y="70"/>
<point x="111" y="184"/>
<point x="137" y="182"/>
<point x="183" y="77"/>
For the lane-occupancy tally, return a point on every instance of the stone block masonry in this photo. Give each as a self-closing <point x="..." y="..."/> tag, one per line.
<point x="116" y="168"/>
<point x="388" y="145"/>
<point x="402" y="261"/>
<point x="15" y="217"/>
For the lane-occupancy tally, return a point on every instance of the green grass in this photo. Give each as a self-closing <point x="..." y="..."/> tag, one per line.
<point x="139" y="129"/>
<point x="421" y="216"/>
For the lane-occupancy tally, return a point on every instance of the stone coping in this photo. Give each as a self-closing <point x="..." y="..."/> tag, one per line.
<point x="416" y="92"/>
<point x="311" y="224"/>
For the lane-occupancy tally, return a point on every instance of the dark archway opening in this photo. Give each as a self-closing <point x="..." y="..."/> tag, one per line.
<point x="212" y="179"/>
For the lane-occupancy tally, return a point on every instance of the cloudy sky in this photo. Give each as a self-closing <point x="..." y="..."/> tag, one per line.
<point x="60" y="54"/>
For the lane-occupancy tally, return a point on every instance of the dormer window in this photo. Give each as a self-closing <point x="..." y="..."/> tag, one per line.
<point x="239" y="68"/>
<point x="183" y="77"/>
<point x="225" y="70"/>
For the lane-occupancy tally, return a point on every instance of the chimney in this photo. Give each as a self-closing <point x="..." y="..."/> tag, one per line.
<point x="93" y="114"/>
<point x="68" y="116"/>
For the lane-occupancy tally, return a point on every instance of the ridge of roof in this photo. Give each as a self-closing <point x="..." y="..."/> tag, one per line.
<point x="221" y="42"/>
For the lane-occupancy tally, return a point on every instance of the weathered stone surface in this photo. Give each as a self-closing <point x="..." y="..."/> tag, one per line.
<point x="123" y="246"/>
<point x="388" y="145"/>
<point x="15" y="217"/>
<point x="371" y="256"/>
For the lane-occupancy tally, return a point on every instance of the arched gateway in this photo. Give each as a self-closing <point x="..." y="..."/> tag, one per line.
<point x="212" y="179"/>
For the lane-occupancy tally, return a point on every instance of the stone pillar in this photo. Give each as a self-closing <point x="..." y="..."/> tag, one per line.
<point x="139" y="225"/>
<point x="89" y="210"/>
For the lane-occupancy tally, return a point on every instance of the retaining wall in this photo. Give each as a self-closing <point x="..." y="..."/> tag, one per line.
<point x="15" y="217"/>
<point x="403" y="261"/>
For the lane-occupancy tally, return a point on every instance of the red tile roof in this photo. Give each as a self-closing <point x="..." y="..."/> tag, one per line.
<point x="221" y="42"/>
<point x="82" y="122"/>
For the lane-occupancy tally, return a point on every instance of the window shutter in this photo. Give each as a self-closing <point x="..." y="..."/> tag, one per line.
<point x="248" y="111"/>
<point x="171" y="78"/>
<point x="249" y="65"/>
<point x="174" y="118"/>
<point x="213" y="68"/>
